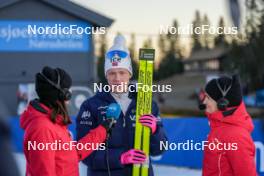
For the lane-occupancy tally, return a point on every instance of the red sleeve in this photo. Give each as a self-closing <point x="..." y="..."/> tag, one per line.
<point x="94" y="137"/>
<point x="40" y="162"/>
<point x="242" y="160"/>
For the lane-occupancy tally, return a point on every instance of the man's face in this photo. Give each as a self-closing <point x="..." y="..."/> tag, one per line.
<point x="118" y="76"/>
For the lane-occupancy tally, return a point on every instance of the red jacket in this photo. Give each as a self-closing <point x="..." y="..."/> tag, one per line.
<point x="62" y="161"/>
<point x="226" y="131"/>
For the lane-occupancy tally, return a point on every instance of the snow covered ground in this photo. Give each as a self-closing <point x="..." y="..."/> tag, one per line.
<point x="159" y="170"/>
<point x="162" y="170"/>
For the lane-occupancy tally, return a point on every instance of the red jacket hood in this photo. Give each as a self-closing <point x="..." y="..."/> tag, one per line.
<point x="239" y="118"/>
<point x="31" y="114"/>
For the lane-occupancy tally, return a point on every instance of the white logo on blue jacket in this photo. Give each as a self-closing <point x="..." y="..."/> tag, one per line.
<point x="86" y="115"/>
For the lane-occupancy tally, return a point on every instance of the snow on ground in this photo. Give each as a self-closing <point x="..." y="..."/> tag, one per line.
<point x="163" y="170"/>
<point x="159" y="170"/>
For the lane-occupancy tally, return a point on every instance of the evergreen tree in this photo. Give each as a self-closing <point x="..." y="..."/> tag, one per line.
<point x="206" y="37"/>
<point x="220" y="39"/>
<point x="196" y="38"/>
<point x="171" y="62"/>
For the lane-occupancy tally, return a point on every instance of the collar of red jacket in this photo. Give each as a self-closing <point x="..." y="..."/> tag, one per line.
<point x="32" y="113"/>
<point x="59" y="118"/>
<point x="239" y="117"/>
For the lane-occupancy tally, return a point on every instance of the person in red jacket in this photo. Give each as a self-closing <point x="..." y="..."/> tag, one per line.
<point x="229" y="150"/>
<point x="48" y="145"/>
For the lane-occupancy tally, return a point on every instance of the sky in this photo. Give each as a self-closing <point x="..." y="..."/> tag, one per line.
<point x="144" y="17"/>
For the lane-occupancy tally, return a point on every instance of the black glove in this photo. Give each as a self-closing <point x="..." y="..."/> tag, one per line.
<point x="108" y="124"/>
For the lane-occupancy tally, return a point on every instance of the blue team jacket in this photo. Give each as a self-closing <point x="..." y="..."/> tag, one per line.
<point x="91" y="114"/>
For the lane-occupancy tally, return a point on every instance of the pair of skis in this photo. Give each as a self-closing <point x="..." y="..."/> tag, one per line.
<point x="144" y="105"/>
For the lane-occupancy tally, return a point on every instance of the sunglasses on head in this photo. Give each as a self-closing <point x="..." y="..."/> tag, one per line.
<point x="116" y="53"/>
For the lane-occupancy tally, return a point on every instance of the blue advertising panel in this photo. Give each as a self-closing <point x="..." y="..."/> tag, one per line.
<point x="179" y="130"/>
<point x="45" y="36"/>
<point x="260" y="98"/>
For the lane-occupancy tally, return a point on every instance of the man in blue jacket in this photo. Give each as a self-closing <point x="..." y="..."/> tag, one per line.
<point x="119" y="156"/>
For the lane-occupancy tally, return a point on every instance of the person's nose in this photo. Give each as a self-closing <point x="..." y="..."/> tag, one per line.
<point x="117" y="77"/>
<point x="205" y="100"/>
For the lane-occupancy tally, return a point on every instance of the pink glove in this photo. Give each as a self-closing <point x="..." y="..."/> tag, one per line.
<point x="133" y="156"/>
<point x="150" y="121"/>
